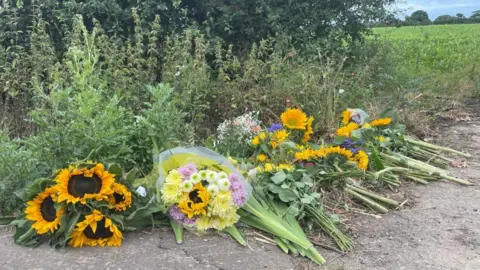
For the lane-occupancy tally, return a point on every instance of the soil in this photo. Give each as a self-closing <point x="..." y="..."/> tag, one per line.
<point x="438" y="228"/>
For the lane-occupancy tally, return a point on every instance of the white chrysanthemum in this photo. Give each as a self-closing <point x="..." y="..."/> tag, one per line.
<point x="203" y="174"/>
<point x="222" y="175"/>
<point x="187" y="186"/>
<point x="195" y="178"/>
<point x="223" y="184"/>
<point x="213" y="190"/>
<point x="211" y="176"/>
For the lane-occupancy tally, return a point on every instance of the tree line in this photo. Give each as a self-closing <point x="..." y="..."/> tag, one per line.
<point x="420" y="17"/>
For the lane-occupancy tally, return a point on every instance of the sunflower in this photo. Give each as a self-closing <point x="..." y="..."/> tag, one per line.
<point x="121" y="199"/>
<point x="79" y="184"/>
<point x="43" y="213"/>
<point x="294" y="119"/>
<point x="255" y="141"/>
<point x="279" y="137"/>
<point x="306" y="154"/>
<point x="381" y="122"/>
<point x="361" y="158"/>
<point x="262" y="158"/>
<point x="96" y="230"/>
<point x="346" y="116"/>
<point x="334" y="150"/>
<point x="309" y="131"/>
<point x="345" y="131"/>
<point x="195" y="202"/>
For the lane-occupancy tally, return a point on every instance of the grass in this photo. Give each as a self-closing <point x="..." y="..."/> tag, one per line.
<point x="443" y="58"/>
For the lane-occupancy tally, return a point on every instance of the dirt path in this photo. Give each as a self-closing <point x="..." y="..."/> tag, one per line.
<point x="439" y="229"/>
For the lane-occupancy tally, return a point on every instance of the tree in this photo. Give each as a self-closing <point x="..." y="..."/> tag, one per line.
<point x="475" y="14"/>
<point x="419" y="17"/>
<point x="460" y="15"/>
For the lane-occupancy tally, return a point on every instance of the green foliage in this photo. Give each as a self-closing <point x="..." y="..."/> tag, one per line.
<point x="18" y="167"/>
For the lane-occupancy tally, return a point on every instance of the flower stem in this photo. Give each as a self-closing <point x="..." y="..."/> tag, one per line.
<point x="375" y="206"/>
<point x="375" y="196"/>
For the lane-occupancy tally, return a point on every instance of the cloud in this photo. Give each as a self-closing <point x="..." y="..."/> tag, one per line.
<point x="440" y="7"/>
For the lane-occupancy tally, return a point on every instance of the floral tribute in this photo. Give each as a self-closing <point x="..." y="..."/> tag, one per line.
<point x="83" y="206"/>
<point x="203" y="199"/>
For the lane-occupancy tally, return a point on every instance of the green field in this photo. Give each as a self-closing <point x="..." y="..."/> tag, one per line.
<point x="443" y="54"/>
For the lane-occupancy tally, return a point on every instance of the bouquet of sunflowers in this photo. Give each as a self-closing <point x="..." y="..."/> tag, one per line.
<point x="201" y="190"/>
<point x="84" y="205"/>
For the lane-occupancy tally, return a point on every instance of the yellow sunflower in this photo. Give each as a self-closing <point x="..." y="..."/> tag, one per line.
<point x="80" y="184"/>
<point x="255" y="141"/>
<point x="306" y="154"/>
<point x="43" y="213"/>
<point x="96" y="230"/>
<point x="345" y="131"/>
<point x="361" y="158"/>
<point x="346" y="116"/>
<point x="195" y="202"/>
<point x="309" y="131"/>
<point x="294" y="119"/>
<point x="279" y="137"/>
<point x="121" y="199"/>
<point x="381" y="122"/>
<point x="262" y="158"/>
<point x="334" y="150"/>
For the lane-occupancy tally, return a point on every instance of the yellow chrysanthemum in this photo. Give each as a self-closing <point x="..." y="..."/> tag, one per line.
<point x="255" y="141"/>
<point x="346" y="116"/>
<point x="381" y="122"/>
<point x="345" y="131"/>
<point x="262" y="158"/>
<point x="171" y="193"/>
<point x="294" y="119"/>
<point x="203" y="223"/>
<point x="96" y="230"/>
<point x="279" y="137"/>
<point x="380" y="139"/>
<point x="174" y="177"/>
<point x="309" y="131"/>
<point x="80" y="184"/>
<point x="222" y="203"/>
<point x="195" y="202"/>
<point x="121" y="199"/>
<point x="224" y="221"/>
<point x="41" y="210"/>
<point x="361" y="158"/>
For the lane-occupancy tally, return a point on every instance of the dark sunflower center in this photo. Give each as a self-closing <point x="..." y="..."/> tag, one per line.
<point x="194" y="196"/>
<point x="118" y="197"/>
<point x="79" y="185"/>
<point x="101" y="231"/>
<point x="47" y="209"/>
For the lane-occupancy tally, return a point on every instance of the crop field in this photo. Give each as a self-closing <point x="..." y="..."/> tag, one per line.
<point x="445" y="53"/>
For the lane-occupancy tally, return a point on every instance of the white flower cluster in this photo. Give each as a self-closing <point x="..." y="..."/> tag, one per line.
<point x="216" y="181"/>
<point x="246" y="125"/>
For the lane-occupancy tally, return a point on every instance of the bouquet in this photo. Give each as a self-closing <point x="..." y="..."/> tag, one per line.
<point x="203" y="199"/>
<point x="84" y="205"/>
<point x="201" y="190"/>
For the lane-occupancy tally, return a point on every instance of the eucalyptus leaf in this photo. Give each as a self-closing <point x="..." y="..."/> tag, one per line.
<point x="279" y="177"/>
<point x="287" y="195"/>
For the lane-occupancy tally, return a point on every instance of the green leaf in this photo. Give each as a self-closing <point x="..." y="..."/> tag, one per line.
<point x="132" y="175"/>
<point x="274" y="188"/>
<point x="235" y="234"/>
<point x="279" y="177"/>
<point x="287" y="195"/>
<point x="307" y="199"/>
<point x="115" y="169"/>
<point x="300" y="184"/>
<point x="377" y="162"/>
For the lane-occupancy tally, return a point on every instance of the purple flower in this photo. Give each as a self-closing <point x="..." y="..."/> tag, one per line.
<point x="176" y="214"/>
<point x="352" y="145"/>
<point x="238" y="190"/>
<point x="187" y="170"/>
<point x="275" y="127"/>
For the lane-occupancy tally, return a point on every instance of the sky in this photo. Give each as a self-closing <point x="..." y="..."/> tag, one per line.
<point x="435" y="8"/>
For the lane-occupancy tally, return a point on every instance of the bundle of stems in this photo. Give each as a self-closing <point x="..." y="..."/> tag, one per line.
<point x="433" y="147"/>
<point x="259" y="213"/>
